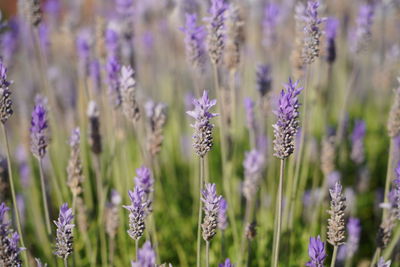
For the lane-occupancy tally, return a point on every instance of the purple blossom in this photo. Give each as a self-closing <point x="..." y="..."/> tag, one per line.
<point x="286" y="127"/>
<point x="203" y="128"/>
<point x="144" y="179"/>
<point x="39" y="128"/>
<point x="312" y="32"/>
<point x="64" y="237"/>
<point x="83" y="49"/>
<point x="357" y="138"/>
<point x="124" y="7"/>
<point x="43" y="30"/>
<point x="364" y="22"/>
<point x="271" y="19"/>
<point x="250" y="116"/>
<point x="9" y="40"/>
<point x="253" y="166"/>
<point x="331" y="27"/>
<point x="226" y="263"/>
<point x="354" y="233"/>
<point x="222" y="216"/>
<point x="4" y="83"/>
<point x="137" y="213"/>
<point x="333" y="178"/>
<point x="211" y="209"/>
<point x="383" y="263"/>
<point x="113" y="69"/>
<point x="95" y="75"/>
<point x="194" y="41"/>
<point x="264" y="79"/>
<point x="216" y="36"/>
<point x="146" y="256"/>
<point x="112" y="43"/>
<point x="316" y="252"/>
<point x="53" y="8"/>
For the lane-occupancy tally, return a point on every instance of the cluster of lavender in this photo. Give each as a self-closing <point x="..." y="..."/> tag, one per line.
<point x="9" y="249"/>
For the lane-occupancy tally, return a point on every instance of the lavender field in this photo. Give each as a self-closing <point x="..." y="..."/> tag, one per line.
<point x="200" y="133"/>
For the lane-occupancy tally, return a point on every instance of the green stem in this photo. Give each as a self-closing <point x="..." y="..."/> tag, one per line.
<point x="388" y="176"/>
<point x="395" y="239"/>
<point x="207" y="254"/>
<point x="136" y="249"/>
<point x="14" y="199"/>
<point x="65" y="262"/>
<point x="44" y="198"/>
<point x="201" y="181"/>
<point x="277" y="230"/>
<point x="335" y="250"/>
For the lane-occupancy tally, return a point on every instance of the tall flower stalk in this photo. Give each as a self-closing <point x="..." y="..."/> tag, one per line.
<point x="64" y="239"/>
<point x="202" y="143"/>
<point x="285" y="130"/>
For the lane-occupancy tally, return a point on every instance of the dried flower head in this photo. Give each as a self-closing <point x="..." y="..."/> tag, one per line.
<point x="5" y="95"/>
<point x="234" y="24"/>
<point x="74" y="168"/>
<point x="39" y="129"/>
<point x="336" y="225"/>
<point x="202" y="137"/>
<point x="130" y="106"/>
<point x="215" y="27"/>
<point x="316" y="252"/>
<point x="157" y="115"/>
<point x="286" y="127"/>
<point x="94" y="128"/>
<point x="64" y="239"/>
<point x="137" y="213"/>
<point x="393" y="125"/>
<point x="211" y="209"/>
<point x="194" y="42"/>
<point x="146" y="256"/>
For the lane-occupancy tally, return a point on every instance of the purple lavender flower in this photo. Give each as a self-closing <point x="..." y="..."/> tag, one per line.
<point x="362" y="34"/>
<point x="64" y="239"/>
<point x="9" y="240"/>
<point x="249" y="108"/>
<point x="9" y="40"/>
<point x="211" y="209"/>
<point x="146" y="256"/>
<point x="124" y="7"/>
<point x="215" y="38"/>
<point x="39" y="129"/>
<point x="226" y="263"/>
<point x="5" y="95"/>
<point x="113" y="69"/>
<point x="331" y="27"/>
<point x="336" y="225"/>
<point x="83" y="50"/>
<point x="353" y="240"/>
<point x="264" y="79"/>
<point x="394" y="195"/>
<point x="357" y="138"/>
<point x="383" y="263"/>
<point x="144" y="179"/>
<point x="112" y="43"/>
<point x="316" y="252"/>
<point x="312" y="32"/>
<point x="137" y="213"/>
<point x="202" y="137"/>
<point x="53" y="8"/>
<point x="271" y="19"/>
<point x="194" y="42"/>
<point x="222" y="216"/>
<point x="253" y="166"/>
<point x="95" y="75"/>
<point x="286" y="127"/>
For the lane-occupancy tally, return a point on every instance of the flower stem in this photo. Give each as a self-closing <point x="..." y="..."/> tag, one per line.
<point x="201" y="181"/>
<point x="277" y="230"/>
<point x="388" y="176"/>
<point x="136" y="249"/>
<point x="45" y="205"/>
<point x="16" y="210"/>
<point x="65" y="262"/>
<point x="335" y="249"/>
<point x="207" y="253"/>
<point x="376" y="257"/>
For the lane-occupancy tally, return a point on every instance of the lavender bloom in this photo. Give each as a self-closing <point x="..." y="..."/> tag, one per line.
<point x="226" y="263"/>
<point x="137" y="213"/>
<point x="64" y="239"/>
<point x="144" y="179"/>
<point x="394" y="195"/>
<point x="127" y="84"/>
<point x="157" y="115"/>
<point x="112" y="43"/>
<point x="211" y="209"/>
<point x="9" y="250"/>
<point x="286" y="127"/>
<point x="271" y="19"/>
<point x="222" y="216"/>
<point x="83" y="50"/>
<point x="250" y="116"/>
<point x="331" y="27"/>
<point x="253" y="166"/>
<point x="74" y="168"/>
<point x="362" y="34"/>
<point x="264" y="79"/>
<point x="146" y="256"/>
<point x="124" y="7"/>
<point x="5" y="95"/>
<point x="357" y="138"/>
<point x="215" y="38"/>
<point x="202" y="137"/>
<point x="316" y="252"/>
<point x="312" y="32"/>
<point x="94" y="128"/>
<point x="233" y="29"/>
<point x="383" y="263"/>
<point x="39" y="129"/>
<point x="113" y="68"/>
<point x="336" y="226"/>
<point x="9" y="41"/>
<point x="353" y="240"/>
<point x="53" y="8"/>
<point x="95" y="75"/>
<point x="194" y="42"/>
<point x="393" y="125"/>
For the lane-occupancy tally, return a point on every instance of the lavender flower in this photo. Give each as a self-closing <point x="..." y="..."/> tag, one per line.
<point x="226" y="263"/>
<point x="194" y="42"/>
<point x="253" y="166"/>
<point x="336" y="225"/>
<point x="312" y="32"/>
<point x="316" y="252"/>
<point x="393" y="125"/>
<point x="394" y="195"/>
<point x="250" y="116"/>
<point x="144" y="179"/>
<point x="264" y="79"/>
<point x="112" y="43"/>
<point x="95" y="75"/>
<point x="234" y="24"/>
<point x="353" y="240"/>
<point x="222" y="216"/>
<point x="362" y="33"/>
<point x="64" y="239"/>
<point x="137" y="213"/>
<point x="202" y="137"/>
<point x="5" y="95"/>
<point x="9" y="250"/>
<point x="357" y="138"/>
<point x="157" y="115"/>
<point x="331" y="27"/>
<point x="39" y="129"/>
<point x="271" y="19"/>
<point x="74" y="168"/>
<point x="83" y="50"/>
<point x="130" y="106"/>
<point x="114" y="87"/>
<point x="286" y="127"/>
<point x="215" y="38"/>
<point x="383" y="263"/>
<point x="146" y="256"/>
<point x="211" y="209"/>
<point x="94" y="128"/>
